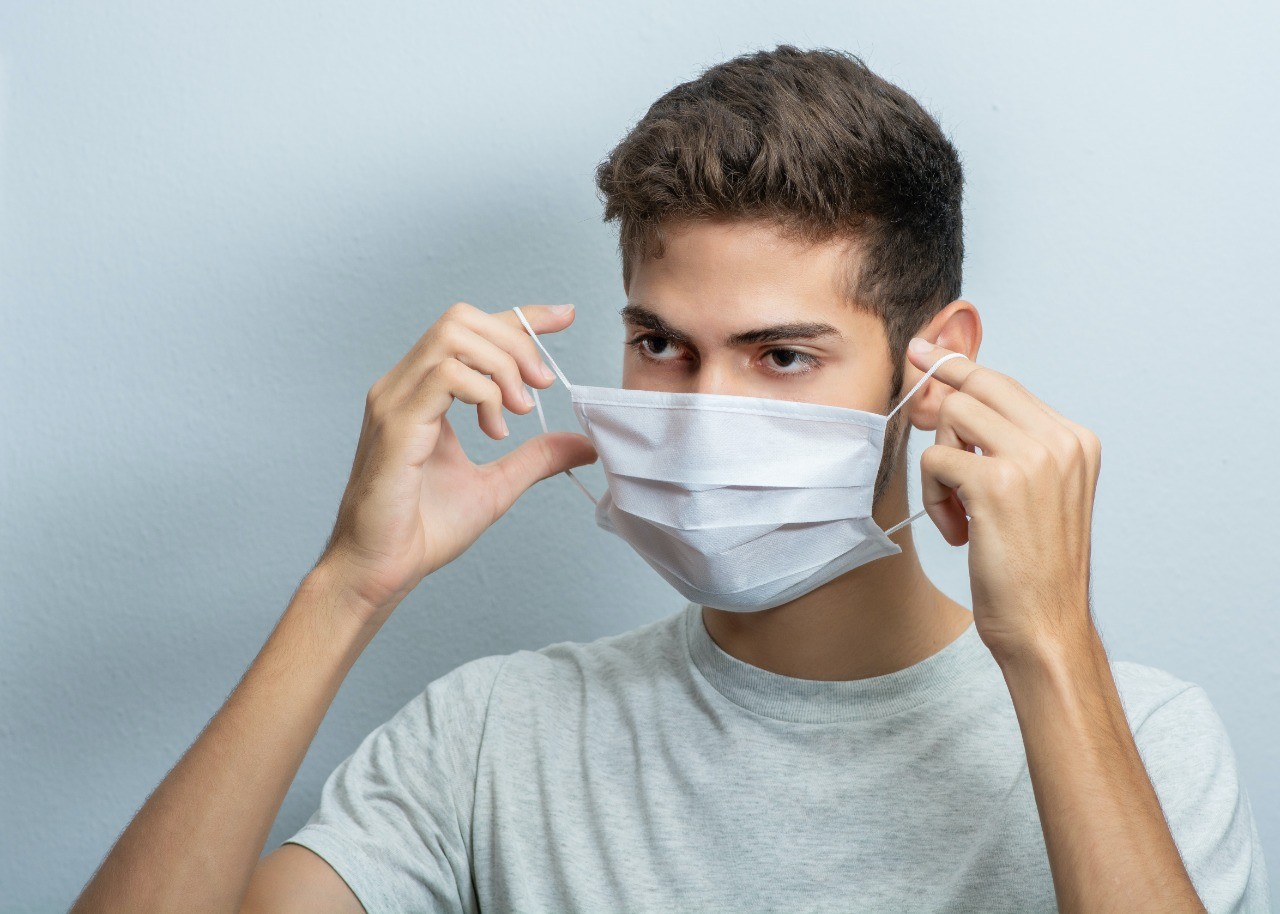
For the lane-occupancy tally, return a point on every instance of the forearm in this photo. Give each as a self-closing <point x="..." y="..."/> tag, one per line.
<point x="1109" y="845"/>
<point x="195" y="842"/>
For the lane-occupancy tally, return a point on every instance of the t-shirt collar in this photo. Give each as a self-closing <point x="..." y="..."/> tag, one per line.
<point x="824" y="701"/>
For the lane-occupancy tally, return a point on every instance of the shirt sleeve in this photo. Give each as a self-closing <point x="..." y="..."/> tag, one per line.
<point x="394" y="819"/>
<point x="1189" y="758"/>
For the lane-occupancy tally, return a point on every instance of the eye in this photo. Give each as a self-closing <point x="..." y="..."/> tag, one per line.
<point x="654" y="347"/>
<point x="792" y="362"/>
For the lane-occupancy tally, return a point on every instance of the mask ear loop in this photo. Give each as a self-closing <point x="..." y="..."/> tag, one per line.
<point x="537" y="401"/>
<point x="934" y="367"/>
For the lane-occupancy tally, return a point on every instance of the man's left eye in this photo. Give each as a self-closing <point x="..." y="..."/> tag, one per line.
<point x="792" y="361"/>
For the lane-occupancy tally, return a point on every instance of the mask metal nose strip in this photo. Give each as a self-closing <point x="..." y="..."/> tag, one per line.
<point x="537" y="401"/>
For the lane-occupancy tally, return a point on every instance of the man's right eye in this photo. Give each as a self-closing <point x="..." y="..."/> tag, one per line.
<point x="652" y="346"/>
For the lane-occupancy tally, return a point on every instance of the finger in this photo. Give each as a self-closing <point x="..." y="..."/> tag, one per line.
<point x="452" y="379"/>
<point x="439" y="342"/>
<point x="998" y="391"/>
<point x="505" y="330"/>
<point x="947" y="477"/>
<point x="947" y="512"/>
<point x="537" y="458"/>
<point x="477" y="352"/>
<point x="1090" y="445"/>
<point x="543" y="318"/>
<point x="970" y="421"/>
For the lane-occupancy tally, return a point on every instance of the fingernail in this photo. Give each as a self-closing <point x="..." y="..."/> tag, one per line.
<point x="919" y="345"/>
<point x="525" y="398"/>
<point x="561" y="309"/>
<point x="503" y="425"/>
<point x="547" y="373"/>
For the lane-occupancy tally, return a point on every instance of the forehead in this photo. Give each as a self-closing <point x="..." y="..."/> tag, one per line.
<point x="729" y="273"/>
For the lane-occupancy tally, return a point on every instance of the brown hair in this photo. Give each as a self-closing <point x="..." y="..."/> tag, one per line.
<point x="819" y="146"/>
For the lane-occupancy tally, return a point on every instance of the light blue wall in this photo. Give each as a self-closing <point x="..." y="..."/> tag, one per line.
<point x="222" y="222"/>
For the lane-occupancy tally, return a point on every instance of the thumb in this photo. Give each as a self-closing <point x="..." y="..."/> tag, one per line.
<point x="537" y="458"/>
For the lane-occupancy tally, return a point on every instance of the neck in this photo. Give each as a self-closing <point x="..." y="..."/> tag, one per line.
<point x="876" y="619"/>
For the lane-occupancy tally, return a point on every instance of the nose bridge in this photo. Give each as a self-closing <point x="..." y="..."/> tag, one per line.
<point x="714" y="375"/>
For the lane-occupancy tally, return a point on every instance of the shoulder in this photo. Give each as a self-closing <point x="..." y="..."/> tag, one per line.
<point x="444" y="721"/>
<point x="628" y="660"/>
<point x="461" y="698"/>
<point x="471" y="681"/>
<point x="1176" y="727"/>
<point x="1189" y="758"/>
<point x="1145" y="689"/>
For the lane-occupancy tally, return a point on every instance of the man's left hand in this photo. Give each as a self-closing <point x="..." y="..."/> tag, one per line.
<point x="1024" y="505"/>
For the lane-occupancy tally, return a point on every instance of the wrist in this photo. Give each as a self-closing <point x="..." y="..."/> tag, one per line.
<point x="1057" y="663"/>
<point x="1040" y="651"/>
<point x="336" y="606"/>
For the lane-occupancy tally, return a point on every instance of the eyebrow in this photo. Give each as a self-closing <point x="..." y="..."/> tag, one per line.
<point x="803" y="330"/>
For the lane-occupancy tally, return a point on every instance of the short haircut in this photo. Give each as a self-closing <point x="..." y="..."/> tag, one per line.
<point x="816" y="144"/>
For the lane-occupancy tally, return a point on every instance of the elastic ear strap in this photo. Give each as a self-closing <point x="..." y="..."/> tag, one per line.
<point x="554" y="366"/>
<point x="537" y="401"/>
<point x="934" y="367"/>
<point x="900" y="524"/>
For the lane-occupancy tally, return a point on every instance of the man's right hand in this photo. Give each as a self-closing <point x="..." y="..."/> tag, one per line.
<point x="414" y="500"/>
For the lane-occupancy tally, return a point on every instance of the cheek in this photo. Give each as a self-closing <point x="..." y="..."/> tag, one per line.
<point x="634" y="368"/>
<point x="845" y="383"/>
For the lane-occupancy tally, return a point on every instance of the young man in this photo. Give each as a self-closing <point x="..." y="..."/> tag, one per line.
<point x="827" y="730"/>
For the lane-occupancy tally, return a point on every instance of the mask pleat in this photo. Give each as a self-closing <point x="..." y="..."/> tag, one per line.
<point x="735" y="558"/>
<point x="707" y="507"/>
<point x="741" y="503"/>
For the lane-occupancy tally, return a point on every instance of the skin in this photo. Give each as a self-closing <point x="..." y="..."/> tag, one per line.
<point x="1024" y="505"/>
<point x="414" y="502"/>
<point x="718" y="279"/>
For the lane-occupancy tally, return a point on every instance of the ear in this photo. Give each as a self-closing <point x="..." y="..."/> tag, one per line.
<point x="957" y="327"/>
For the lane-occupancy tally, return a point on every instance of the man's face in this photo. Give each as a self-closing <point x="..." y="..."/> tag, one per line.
<point x="732" y="308"/>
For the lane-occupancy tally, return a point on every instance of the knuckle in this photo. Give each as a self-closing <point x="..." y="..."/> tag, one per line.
<point x="452" y="371"/>
<point x="448" y="333"/>
<point x="378" y="411"/>
<point x="955" y="405"/>
<point x="1074" y="450"/>
<point x="545" y="453"/>
<point x="980" y="378"/>
<point x="1089" y="447"/>
<point x="1042" y="459"/>
<point x="529" y="350"/>
<point x="509" y="371"/>
<point x="1066" y="442"/>
<point x="1005" y="477"/>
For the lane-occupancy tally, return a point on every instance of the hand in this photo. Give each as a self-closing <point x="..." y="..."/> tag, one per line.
<point x="414" y="501"/>
<point x="1024" y="505"/>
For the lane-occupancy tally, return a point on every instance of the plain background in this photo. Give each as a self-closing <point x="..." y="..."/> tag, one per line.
<point x="223" y="222"/>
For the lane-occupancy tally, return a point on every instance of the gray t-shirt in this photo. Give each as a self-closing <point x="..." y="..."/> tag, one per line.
<point x="650" y="771"/>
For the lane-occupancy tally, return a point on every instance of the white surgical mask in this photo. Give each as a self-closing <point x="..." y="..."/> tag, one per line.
<point x="740" y="503"/>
